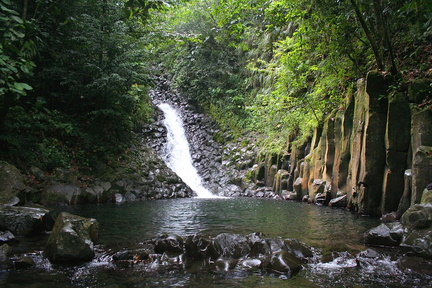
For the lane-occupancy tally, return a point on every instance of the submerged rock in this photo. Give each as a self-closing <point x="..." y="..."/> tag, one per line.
<point x="72" y="239"/>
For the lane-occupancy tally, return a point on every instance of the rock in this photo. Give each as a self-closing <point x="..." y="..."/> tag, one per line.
<point x="298" y="249"/>
<point x="405" y="201"/>
<point x="420" y="241"/>
<point x="389" y="217"/>
<point x="72" y="239"/>
<point x="118" y="198"/>
<point x="285" y="263"/>
<point x="418" y="216"/>
<point x="7" y="236"/>
<point x="297" y="186"/>
<point x="258" y="245"/>
<point x="386" y="234"/>
<point x="339" y="202"/>
<point x="230" y="245"/>
<point x="23" y="262"/>
<point x="11" y="184"/>
<point x="5" y="252"/>
<point x="172" y="244"/>
<point x="421" y="172"/>
<point x="22" y="220"/>
<point x="317" y="187"/>
<point x="415" y="264"/>
<point x="370" y="254"/>
<point x="427" y="195"/>
<point x="197" y="246"/>
<point x="61" y="194"/>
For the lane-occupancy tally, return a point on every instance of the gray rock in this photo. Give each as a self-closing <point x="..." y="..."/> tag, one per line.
<point x="5" y="252"/>
<point x="72" y="239"/>
<point x="22" y="220"/>
<point x="340" y="201"/>
<point x="386" y="234"/>
<point x="421" y="172"/>
<point x="118" y="198"/>
<point x="418" y="216"/>
<point x="61" y="194"/>
<point x="11" y="183"/>
<point x="7" y="236"/>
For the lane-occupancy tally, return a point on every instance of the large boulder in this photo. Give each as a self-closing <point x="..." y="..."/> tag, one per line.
<point x="23" y="221"/>
<point x="418" y="217"/>
<point x="386" y="234"/>
<point x="72" y="239"/>
<point x="61" y="194"/>
<point x="417" y="221"/>
<point x="11" y="184"/>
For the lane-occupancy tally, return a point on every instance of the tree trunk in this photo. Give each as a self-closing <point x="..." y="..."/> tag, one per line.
<point x="369" y="35"/>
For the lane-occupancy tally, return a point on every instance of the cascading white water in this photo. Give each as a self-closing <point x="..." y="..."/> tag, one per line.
<point x="178" y="153"/>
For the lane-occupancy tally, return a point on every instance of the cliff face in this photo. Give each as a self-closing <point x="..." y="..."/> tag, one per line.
<point x="376" y="152"/>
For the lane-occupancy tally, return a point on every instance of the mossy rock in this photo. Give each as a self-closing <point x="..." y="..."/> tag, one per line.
<point x="427" y="195"/>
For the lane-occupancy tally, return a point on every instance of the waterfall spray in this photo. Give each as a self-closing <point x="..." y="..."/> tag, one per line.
<point x="178" y="156"/>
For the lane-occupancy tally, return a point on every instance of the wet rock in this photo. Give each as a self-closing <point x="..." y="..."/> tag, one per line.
<point x="386" y="234"/>
<point x="297" y="248"/>
<point x="72" y="239"/>
<point x="197" y="246"/>
<point x="416" y="264"/>
<point x="339" y="202"/>
<point x="7" y="236"/>
<point x="418" y="216"/>
<point x="11" y="184"/>
<point x="22" y="220"/>
<point x="258" y="245"/>
<point x="284" y="263"/>
<point x="231" y="245"/>
<point x="389" y="217"/>
<point x="370" y="254"/>
<point x="420" y="241"/>
<point x="23" y="262"/>
<point x="169" y="244"/>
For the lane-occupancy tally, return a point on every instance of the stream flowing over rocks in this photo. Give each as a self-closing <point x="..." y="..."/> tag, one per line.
<point x="207" y="153"/>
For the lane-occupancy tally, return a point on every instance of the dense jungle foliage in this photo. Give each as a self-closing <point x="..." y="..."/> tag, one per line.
<point x="277" y="68"/>
<point x="75" y="73"/>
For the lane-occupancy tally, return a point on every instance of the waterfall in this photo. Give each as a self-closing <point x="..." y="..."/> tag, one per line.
<point x="178" y="156"/>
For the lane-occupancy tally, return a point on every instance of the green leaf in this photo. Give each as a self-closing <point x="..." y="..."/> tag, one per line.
<point x="22" y="86"/>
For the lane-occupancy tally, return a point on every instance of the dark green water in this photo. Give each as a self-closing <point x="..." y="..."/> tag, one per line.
<point x="335" y="234"/>
<point x="314" y="225"/>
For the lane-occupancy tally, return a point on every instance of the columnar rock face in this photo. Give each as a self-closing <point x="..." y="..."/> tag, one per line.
<point x="376" y="150"/>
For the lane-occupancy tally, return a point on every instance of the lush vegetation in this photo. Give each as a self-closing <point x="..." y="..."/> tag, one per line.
<point x="278" y="67"/>
<point x="74" y="74"/>
<point x="75" y="79"/>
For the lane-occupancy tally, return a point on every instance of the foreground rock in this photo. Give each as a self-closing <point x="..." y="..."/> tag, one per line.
<point x="414" y="231"/>
<point x="224" y="252"/>
<point x="22" y="221"/>
<point x="72" y="239"/>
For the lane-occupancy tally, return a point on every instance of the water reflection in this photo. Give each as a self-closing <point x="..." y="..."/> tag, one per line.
<point x="316" y="226"/>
